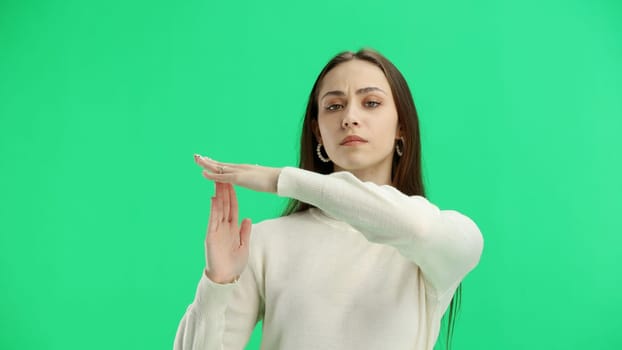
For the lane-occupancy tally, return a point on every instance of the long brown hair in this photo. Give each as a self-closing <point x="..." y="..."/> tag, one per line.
<point x="406" y="173"/>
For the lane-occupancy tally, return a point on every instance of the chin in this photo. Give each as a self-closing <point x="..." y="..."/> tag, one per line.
<point x="352" y="165"/>
<point x="360" y="161"/>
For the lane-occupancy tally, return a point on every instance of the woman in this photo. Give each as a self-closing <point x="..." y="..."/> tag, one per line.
<point x="362" y="260"/>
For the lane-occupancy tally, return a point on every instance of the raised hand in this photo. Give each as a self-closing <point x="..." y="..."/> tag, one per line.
<point x="227" y="243"/>
<point x="254" y="177"/>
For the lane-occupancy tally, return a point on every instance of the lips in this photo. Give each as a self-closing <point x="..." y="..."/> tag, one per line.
<point x="352" y="139"/>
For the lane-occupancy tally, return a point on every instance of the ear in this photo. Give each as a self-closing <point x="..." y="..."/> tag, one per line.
<point x="316" y="130"/>
<point x="398" y="132"/>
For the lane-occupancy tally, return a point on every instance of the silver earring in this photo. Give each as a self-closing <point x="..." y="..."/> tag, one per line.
<point x="318" y="150"/>
<point x="398" y="150"/>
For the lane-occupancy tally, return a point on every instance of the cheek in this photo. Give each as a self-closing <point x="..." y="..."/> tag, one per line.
<point x="385" y="128"/>
<point x="326" y="127"/>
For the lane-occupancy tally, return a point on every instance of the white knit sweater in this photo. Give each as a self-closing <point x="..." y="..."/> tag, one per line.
<point x="369" y="268"/>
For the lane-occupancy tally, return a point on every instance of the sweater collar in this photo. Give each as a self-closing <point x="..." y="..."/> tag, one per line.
<point x="330" y="220"/>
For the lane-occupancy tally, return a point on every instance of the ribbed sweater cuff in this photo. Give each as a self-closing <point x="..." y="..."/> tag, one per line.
<point x="213" y="297"/>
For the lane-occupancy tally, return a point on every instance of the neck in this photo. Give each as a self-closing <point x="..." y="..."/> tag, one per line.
<point x="379" y="175"/>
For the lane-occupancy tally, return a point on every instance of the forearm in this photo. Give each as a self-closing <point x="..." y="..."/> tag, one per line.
<point x="381" y="213"/>
<point x="202" y="326"/>
<point x="443" y="243"/>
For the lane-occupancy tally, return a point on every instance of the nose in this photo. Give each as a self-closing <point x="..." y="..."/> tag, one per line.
<point x="349" y="120"/>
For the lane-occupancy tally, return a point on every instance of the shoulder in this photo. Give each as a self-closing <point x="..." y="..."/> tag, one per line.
<point x="282" y="221"/>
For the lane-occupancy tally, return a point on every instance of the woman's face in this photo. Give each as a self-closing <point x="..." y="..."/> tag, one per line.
<point x="355" y="100"/>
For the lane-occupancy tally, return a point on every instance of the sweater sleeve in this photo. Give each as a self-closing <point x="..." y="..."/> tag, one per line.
<point x="445" y="244"/>
<point x="222" y="316"/>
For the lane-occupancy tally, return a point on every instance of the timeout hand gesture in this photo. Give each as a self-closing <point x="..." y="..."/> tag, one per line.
<point x="227" y="244"/>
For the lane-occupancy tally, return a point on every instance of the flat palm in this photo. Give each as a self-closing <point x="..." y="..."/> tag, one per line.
<point x="227" y="243"/>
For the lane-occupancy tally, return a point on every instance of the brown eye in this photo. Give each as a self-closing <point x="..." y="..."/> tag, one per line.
<point x="333" y="107"/>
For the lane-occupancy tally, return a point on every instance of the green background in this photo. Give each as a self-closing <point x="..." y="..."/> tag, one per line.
<point x="103" y="103"/>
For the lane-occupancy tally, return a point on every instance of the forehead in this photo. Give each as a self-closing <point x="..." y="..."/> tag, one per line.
<point x="353" y="75"/>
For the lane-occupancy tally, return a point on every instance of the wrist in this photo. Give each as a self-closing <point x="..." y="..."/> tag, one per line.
<point x="277" y="171"/>
<point x="220" y="279"/>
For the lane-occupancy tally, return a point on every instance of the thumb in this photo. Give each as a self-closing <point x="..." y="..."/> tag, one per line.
<point x="245" y="232"/>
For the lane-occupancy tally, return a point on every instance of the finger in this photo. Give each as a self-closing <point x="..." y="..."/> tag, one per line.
<point x="233" y="200"/>
<point x="214" y="166"/>
<point x="218" y="189"/>
<point x="205" y="163"/>
<point x="224" y="178"/>
<point x="245" y="232"/>
<point x="219" y="209"/>
<point x="213" y="222"/>
<point x="226" y="204"/>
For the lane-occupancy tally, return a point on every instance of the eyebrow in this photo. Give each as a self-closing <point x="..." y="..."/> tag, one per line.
<point x="358" y="92"/>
